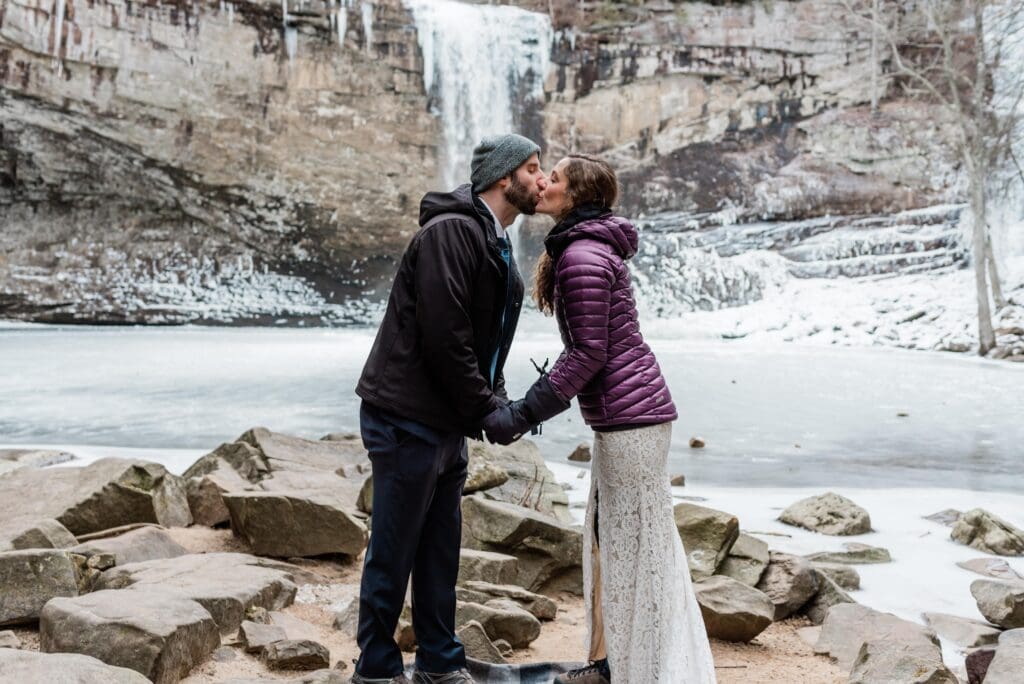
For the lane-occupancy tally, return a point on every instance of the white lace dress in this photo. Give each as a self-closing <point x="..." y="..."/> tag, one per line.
<point x="653" y="627"/>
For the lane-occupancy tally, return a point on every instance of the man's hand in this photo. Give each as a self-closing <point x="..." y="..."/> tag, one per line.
<point x="507" y="423"/>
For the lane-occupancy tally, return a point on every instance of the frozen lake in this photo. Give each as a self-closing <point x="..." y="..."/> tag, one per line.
<point x="777" y="415"/>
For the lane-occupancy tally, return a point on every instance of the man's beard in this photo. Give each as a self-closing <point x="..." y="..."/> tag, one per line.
<point x="519" y="196"/>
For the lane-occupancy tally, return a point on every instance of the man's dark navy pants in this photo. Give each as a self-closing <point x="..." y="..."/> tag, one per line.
<point x="418" y="474"/>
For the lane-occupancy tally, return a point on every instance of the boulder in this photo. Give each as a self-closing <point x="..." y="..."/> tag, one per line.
<point x="530" y="483"/>
<point x="1008" y="664"/>
<point x="849" y="626"/>
<point x="364" y="502"/>
<point x="853" y="554"/>
<point x="963" y="632"/>
<point x="13" y="459"/>
<point x="829" y="594"/>
<point x="1001" y="602"/>
<point x="226" y="584"/>
<point x="477" y="644"/>
<point x="883" y="662"/>
<point x="982" y="530"/>
<point x="581" y="454"/>
<point x="9" y="639"/>
<point x="549" y="552"/>
<point x="487" y="566"/>
<point x="747" y="560"/>
<point x="32" y="667"/>
<point x="34" y="533"/>
<point x="484" y="476"/>
<point x="733" y="610"/>
<point x="697" y="443"/>
<point x="828" y="513"/>
<point x="29" y="579"/>
<point x="991" y="567"/>
<point x="296" y="654"/>
<point x="845" y="576"/>
<point x="206" y="495"/>
<point x="708" y="536"/>
<point x="540" y="606"/>
<point x="159" y="634"/>
<point x="136" y="546"/>
<point x="296" y="523"/>
<point x="103" y="494"/>
<point x="977" y="663"/>
<point x="501" y="619"/>
<point x="947" y="517"/>
<point x="255" y="637"/>
<point x="790" y="583"/>
<point x="678" y="480"/>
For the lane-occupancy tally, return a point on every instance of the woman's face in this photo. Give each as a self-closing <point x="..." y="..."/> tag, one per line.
<point x="553" y="199"/>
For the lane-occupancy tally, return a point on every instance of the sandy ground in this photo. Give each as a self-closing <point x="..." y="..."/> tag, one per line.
<point x="777" y="655"/>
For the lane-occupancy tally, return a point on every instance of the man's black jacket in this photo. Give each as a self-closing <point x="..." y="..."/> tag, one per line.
<point x="432" y="357"/>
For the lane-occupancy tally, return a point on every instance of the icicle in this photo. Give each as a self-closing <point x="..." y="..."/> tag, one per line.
<point x="366" y="9"/>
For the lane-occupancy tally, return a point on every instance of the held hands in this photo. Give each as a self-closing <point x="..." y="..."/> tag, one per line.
<point x="507" y="423"/>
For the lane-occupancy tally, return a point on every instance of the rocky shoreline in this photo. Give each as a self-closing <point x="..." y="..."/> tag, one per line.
<point x="246" y="569"/>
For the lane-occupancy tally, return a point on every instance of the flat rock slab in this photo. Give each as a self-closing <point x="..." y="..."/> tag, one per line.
<point x="487" y="566"/>
<point x="318" y="677"/>
<point x="883" y="662"/>
<point x="14" y="459"/>
<point x="501" y="620"/>
<point x="747" y="560"/>
<point x="828" y="513"/>
<point x="30" y="578"/>
<point x="256" y="637"/>
<point x="848" y="626"/>
<point x="984" y="531"/>
<point x="226" y="584"/>
<point x="135" y="546"/>
<point x="296" y="523"/>
<point x="31" y="667"/>
<point x="103" y="494"/>
<point x="34" y="533"/>
<point x="549" y="552"/>
<point x="991" y="567"/>
<point x="529" y="483"/>
<point x="963" y="632"/>
<point x="1002" y="603"/>
<point x="296" y="654"/>
<point x="790" y="582"/>
<point x="156" y="633"/>
<point x="853" y="554"/>
<point x="708" y="535"/>
<point x="1008" y="664"/>
<point x="732" y="610"/>
<point x="540" y="606"/>
<point x="477" y="644"/>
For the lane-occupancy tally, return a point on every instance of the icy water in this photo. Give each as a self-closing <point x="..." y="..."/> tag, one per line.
<point x="777" y="416"/>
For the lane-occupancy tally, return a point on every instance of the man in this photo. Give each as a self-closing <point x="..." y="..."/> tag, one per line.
<point x="434" y="377"/>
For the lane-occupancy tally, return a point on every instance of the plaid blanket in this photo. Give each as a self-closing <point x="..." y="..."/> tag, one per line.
<point x="524" y="673"/>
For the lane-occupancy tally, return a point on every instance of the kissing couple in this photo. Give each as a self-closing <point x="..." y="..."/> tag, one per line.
<point x="435" y="377"/>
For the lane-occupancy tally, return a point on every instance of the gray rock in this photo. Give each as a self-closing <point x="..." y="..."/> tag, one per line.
<point x="947" y="517"/>
<point x="991" y="567"/>
<point x="790" y="583"/>
<point x="31" y="667"/>
<point x="503" y="647"/>
<point x="13" y="459"/>
<point x="294" y="628"/>
<point x="883" y="662"/>
<point x="226" y="584"/>
<point x="136" y="546"/>
<point x="206" y="495"/>
<point x="501" y="619"/>
<point x="678" y="480"/>
<point x="364" y="502"/>
<point x="961" y="631"/>
<point x="346" y="620"/>
<point x="477" y="644"/>
<point x="296" y="654"/>
<point x="747" y="560"/>
<point x="34" y="533"/>
<point x="854" y="554"/>
<point x="1002" y="603"/>
<point x="540" y="606"/>
<point x="1008" y="664"/>
<point x="255" y="637"/>
<point x="581" y="454"/>
<point x="30" y="578"/>
<point x="986" y="532"/>
<point x="848" y="626"/>
<point x="484" y="476"/>
<point x="487" y="566"/>
<point x="549" y="552"/>
<point x="9" y="639"/>
<point x="708" y="536"/>
<point x="829" y="594"/>
<point x="845" y="576"/>
<point x="159" y="634"/>
<point x="296" y="523"/>
<point x="977" y="663"/>
<point x="103" y="494"/>
<point x="732" y="610"/>
<point x="828" y="513"/>
<point x="530" y="483"/>
<point x="224" y="654"/>
<point x="316" y="677"/>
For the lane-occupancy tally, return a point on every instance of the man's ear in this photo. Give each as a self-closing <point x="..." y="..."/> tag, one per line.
<point x="505" y="181"/>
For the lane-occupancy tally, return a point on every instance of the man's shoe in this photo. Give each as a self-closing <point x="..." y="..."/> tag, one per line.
<point x="457" y="677"/>
<point x="595" y="673"/>
<point x="360" y="679"/>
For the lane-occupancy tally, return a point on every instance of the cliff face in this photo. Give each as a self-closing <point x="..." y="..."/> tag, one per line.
<point x="164" y="160"/>
<point x="173" y="161"/>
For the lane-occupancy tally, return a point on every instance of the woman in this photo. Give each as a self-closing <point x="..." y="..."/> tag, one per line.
<point x="645" y="624"/>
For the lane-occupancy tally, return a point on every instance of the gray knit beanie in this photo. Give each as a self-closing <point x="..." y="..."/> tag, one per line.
<point x="498" y="156"/>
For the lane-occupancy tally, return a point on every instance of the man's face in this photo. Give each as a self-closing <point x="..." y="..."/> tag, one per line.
<point x="525" y="186"/>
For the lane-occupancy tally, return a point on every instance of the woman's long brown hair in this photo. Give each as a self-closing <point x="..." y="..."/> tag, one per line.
<point x="588" y="180"/>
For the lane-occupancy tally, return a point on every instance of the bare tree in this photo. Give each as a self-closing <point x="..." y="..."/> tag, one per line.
<point x="951" y="54"/>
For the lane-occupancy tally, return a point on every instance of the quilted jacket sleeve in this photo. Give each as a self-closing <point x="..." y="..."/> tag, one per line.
<point x="585" y="277"/>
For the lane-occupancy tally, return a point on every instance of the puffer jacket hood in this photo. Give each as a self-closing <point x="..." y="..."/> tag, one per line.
<point x="610" y="229"/>
<point x="461" y="200"/>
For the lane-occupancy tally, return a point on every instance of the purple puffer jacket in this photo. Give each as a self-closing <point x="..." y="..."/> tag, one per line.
<point x="606" y="362"/>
